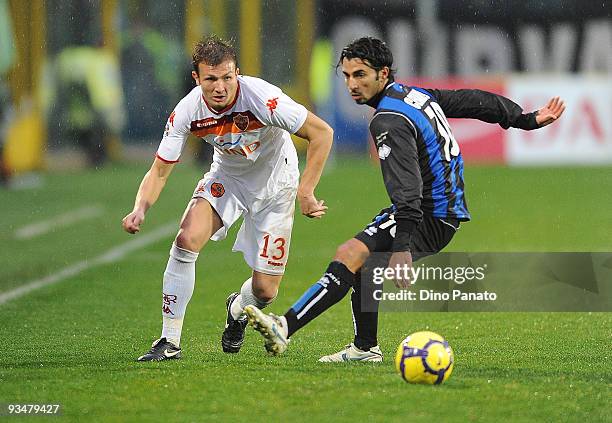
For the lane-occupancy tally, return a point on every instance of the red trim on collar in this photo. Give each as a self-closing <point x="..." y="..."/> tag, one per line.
<point x="228" y="107"/>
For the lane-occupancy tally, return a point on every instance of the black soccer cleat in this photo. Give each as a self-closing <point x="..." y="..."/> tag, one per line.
<point x="162" y="349"/>
<point x="233" y="335"/>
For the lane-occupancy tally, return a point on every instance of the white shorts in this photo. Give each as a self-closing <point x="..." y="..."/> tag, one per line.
<point x="265" y="233"/>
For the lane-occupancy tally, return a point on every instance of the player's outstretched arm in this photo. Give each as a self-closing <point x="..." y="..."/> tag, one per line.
<point x="494" y="108"/>
<point x="148" y="193"/>
<point x="551" y="112"/>
<point x="320" y="137"/>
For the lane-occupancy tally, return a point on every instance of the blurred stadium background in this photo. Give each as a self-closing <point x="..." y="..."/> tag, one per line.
<point x="85" y="81"/>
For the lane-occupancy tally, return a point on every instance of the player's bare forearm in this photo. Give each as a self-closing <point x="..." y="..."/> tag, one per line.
<point x="151" y="186"/>
<point x="148" y="192"/>
<point x="316" y="156"/>
<point x="320" y="138"/>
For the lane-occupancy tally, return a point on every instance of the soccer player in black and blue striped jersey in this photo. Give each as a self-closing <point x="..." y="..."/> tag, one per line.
<point x="422" y="170"/>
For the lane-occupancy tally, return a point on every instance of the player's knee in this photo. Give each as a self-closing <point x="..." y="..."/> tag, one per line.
<point x="343" y="251"/>
<point x="188" y="241"/>
<point x="352" y="254"/>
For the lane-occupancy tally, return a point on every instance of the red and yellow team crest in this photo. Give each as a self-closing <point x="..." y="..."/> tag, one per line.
<point x="241" y="121"/>
<point x="217" y="190"/>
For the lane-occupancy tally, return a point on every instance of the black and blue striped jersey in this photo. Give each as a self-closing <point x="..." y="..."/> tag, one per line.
<point x="420" y="159"/>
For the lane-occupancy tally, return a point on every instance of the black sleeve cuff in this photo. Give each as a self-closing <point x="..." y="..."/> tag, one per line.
<point x="403" y="235"/>
<point x="527" y="121"/>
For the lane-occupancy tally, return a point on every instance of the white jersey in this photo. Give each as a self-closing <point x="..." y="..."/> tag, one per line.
<point x="250" y="136"/>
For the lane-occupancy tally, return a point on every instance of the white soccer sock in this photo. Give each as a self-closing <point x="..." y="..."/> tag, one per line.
<point x="179" y="280"/>
<point x="245" y="298"/>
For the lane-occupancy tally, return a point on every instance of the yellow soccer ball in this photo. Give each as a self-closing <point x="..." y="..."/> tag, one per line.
<point x="424" y="357"/>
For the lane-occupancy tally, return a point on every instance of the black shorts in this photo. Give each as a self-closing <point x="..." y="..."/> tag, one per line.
<point x="431" y="236"/>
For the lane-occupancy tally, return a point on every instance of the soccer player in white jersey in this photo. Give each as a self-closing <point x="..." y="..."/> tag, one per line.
<point x="254" y="174"/>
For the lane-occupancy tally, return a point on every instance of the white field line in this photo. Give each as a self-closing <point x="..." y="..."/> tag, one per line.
<point x="111" y="256"/>
<point x="64" y="219"/>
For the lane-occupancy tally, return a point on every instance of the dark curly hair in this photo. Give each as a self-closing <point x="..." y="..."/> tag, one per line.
<point x="212" y="51"/>
<point x="372" y="51"/>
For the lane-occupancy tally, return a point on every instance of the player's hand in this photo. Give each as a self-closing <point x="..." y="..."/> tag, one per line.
<point x="311" y="207"/>
<point x="551" y="112"/>
<point x="401" y="260"/>
<point x="131" y="222"/>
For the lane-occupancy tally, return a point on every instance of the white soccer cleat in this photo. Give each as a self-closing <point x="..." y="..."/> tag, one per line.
<point x="352" y="353"/>
<point x="271" y="328"/>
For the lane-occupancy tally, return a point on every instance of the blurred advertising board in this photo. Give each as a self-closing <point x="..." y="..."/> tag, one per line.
<point x="468" y="44"/>
<point x="582" y="136"/>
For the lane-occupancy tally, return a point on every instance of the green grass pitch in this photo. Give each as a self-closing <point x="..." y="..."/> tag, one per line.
<point x="74" y="343"/>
